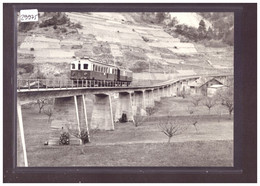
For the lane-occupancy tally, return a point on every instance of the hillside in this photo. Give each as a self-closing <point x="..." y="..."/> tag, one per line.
<point x="123" y="39"/>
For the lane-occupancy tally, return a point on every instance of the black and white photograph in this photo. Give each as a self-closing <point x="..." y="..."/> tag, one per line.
<point x="125" y="89"/>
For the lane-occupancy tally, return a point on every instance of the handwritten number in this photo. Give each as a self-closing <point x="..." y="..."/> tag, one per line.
<point x="28" y="17"/>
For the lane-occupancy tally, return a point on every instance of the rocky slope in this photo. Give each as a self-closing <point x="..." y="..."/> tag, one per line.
<point x="115" y="38"/>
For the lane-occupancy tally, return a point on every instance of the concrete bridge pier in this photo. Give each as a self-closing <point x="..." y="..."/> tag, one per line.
<point x="168" y="91"/>
<point x="174" y="89"/>
<point x="149" y="98"/>
<point x="124" y="105"/>
<point x="69" y="114"/>
<point x="171" y="90"/>
<point x="139" y="103"/>
<point x="157" y="96"/>
<point x="102" y="115"/>
<point x="178" y="88"/>
<point x="163" y="92"/>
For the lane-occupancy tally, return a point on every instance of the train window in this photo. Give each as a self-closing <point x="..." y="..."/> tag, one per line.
<point x="85" y="66"/>
<point x="78" y="66"/>
<point x="72" y="66"/>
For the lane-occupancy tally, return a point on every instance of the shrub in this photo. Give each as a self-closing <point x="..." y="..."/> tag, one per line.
<point x="55" y="20"/>
<point x="145" y="39"/>
<point x="84" y="136"/>
<point x="187" y="31"/>
<point x="150" y="110"/>
<point x="27" y="66"/>
<point x="25" y="26"/>
<point x="139" y="66"/>
<point x="63" y="20"/>
<point x="173" y="22"/>
<point x="64" y="138"/>
<point x="39" y="75"/>
<point x="63" y="30"/>
<point x="55" y="27"/>
<point x="31" y="49"/>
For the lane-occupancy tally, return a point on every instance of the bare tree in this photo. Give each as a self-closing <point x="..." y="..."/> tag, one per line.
<point x="209" y="102"/>
<point x="41" y="103"/>
<point x="172" y="127"/>
<point x="138" y="120"/>
<point x="195" y="100"/>
<point x="49" y="112"/>
<point x="191" y="110"/>
<point x="226" y="97"/>
<point x="150" y="110"/>
<point x="82" y="134"/>
<point x="183" y="94"/>
<point x="219" y="114"/>
<point x="195" y="125"/>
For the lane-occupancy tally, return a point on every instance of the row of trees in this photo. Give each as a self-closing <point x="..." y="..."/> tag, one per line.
<point x="173" y="126"/>
<point x="222" y="26"/>
<point x="195" y="34"/>
<point x="224" y="97"/>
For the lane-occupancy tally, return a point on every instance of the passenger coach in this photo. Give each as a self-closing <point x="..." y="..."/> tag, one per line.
<point x="96" y="73"/>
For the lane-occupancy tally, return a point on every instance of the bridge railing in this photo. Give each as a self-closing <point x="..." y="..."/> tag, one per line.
<point x="49" y="83"/>
<point x="35" y="84"/>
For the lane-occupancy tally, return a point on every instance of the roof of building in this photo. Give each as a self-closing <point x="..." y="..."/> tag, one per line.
<point x="201" y="81"/>
<point x="216" y="86"/>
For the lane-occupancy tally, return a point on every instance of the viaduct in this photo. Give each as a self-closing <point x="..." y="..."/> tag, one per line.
<point x="70" y="105"/>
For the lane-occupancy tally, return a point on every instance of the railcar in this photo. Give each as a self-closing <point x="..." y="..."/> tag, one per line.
<point x="95" y="73"/>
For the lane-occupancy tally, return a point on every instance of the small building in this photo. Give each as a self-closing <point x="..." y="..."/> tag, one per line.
<point x="212" y="90"/>
<point x="201" y="85"/>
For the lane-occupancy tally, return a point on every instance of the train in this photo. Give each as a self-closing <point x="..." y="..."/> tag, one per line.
<point x="95" y="73"/>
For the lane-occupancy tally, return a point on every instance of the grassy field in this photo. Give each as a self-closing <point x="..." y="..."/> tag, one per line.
<point x="210" y="145"/>
<point x="214" y="153"/>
